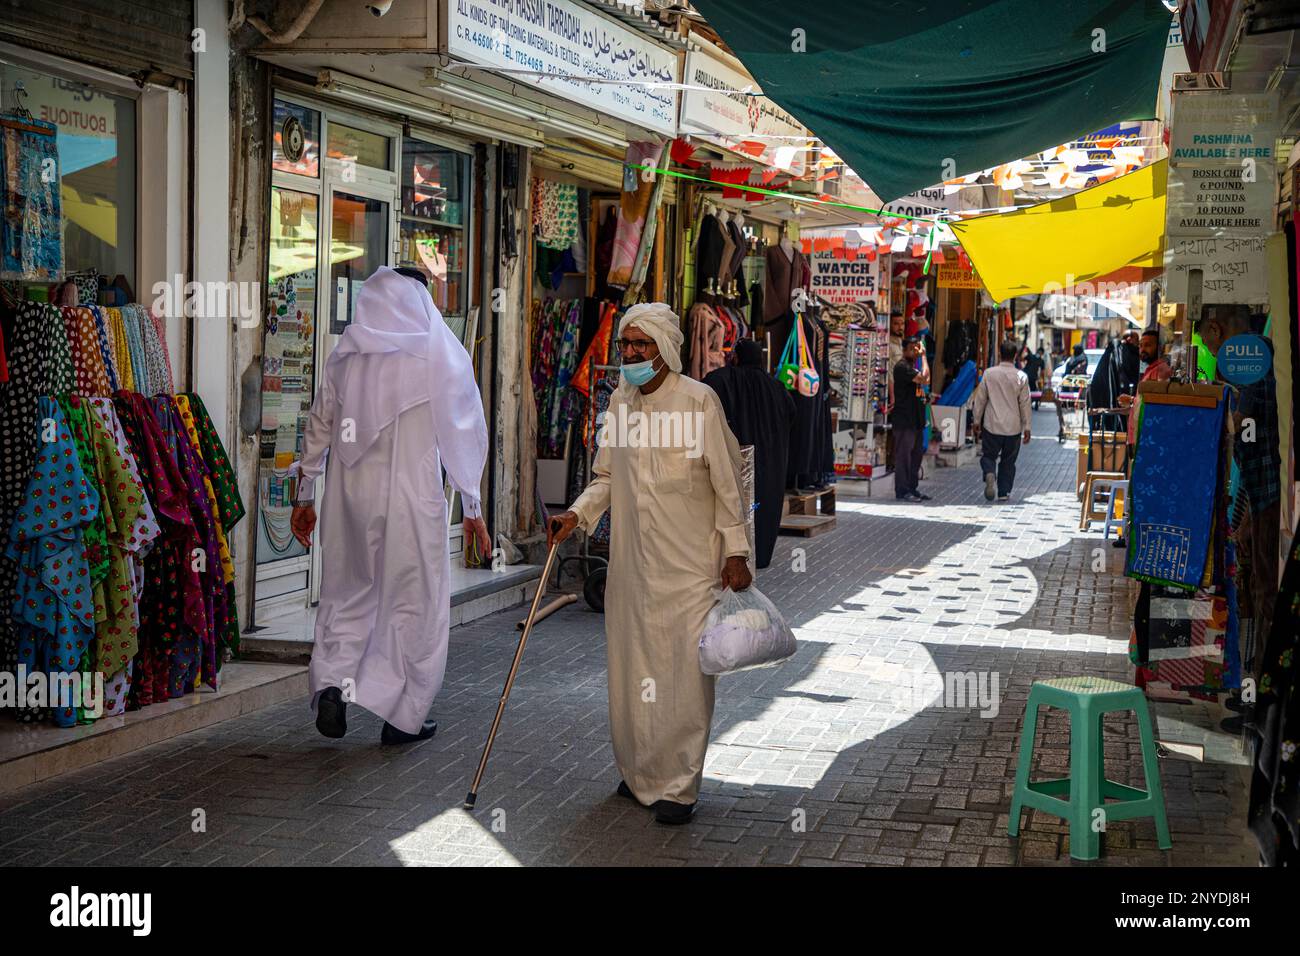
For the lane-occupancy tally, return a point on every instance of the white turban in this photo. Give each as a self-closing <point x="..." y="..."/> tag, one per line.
<point x="661" y="323"/>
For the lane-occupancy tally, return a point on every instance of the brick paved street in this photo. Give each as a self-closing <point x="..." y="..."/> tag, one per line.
<point x="842" y="756"/>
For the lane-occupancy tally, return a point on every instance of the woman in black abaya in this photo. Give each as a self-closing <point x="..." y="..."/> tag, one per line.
<point x="760" y="412"/>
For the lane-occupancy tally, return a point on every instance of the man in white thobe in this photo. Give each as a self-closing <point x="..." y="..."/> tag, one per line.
<point x="668" y="470"/>
<point x="397" y="405"/>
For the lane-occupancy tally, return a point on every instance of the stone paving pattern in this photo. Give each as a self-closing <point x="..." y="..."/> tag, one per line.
<point x="843" y="756"/>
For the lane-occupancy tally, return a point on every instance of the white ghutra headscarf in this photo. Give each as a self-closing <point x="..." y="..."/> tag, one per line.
<point x="661" y="323"/>
<point x="426" y="363"/>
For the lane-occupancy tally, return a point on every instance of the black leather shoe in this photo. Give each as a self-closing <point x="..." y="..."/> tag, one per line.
<point x="331" y="713"/>
<point x="391" y="735"/>
<point x="625" y="791"/>
<point x="673" y="814"/>
<point x="1234" y="704"/>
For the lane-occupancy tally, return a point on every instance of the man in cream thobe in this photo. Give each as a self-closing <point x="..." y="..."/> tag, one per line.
<point x="396" y="405"/>
<point x="677" y="531"/>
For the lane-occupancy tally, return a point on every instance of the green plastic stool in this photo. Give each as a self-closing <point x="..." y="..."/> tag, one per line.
<point x="1077" y="796"/>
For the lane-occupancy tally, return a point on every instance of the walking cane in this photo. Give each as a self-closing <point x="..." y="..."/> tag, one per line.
<point x="510" y="678"/>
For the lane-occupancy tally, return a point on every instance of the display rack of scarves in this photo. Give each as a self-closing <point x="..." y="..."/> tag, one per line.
<point x="556" y="329"/>
<point x="88" y="416"/>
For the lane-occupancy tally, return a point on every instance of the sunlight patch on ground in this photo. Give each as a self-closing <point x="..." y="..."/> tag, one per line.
<point x="452" y="836"/>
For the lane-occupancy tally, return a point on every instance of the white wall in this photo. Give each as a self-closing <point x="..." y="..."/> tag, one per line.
<point x="162" y="225"/>
<point x="211" y="348"/>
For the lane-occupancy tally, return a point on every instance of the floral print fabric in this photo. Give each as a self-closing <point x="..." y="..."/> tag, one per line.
<point x="150" y="603"/>
<point x="53" y="604"/>
<point x="555" y="213"/>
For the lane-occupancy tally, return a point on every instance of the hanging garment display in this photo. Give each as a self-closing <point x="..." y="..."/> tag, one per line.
<point x="147" y="544"/>
<point x="1274" y="814"/>
<point x="705" y="337"/>
<point x="555" y="213"/>
<point x="557" y="325"/>
<point x="1174" y="486"/>
<point x="736" y="274"/>
<point x="634" y="209"/>
<point x="760" y="413"/>
<point x="784" y="274"/>
<point x="31" y="230"/>
<point x="53" y="606"/>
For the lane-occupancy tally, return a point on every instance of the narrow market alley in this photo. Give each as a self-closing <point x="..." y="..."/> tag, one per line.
<point x="852" y="753"/>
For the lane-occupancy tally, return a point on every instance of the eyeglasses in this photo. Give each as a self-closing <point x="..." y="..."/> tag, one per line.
<point x="636" y="346"/>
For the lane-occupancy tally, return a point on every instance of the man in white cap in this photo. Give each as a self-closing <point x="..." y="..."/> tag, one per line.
<point x="668" y="470"/>
<point x="397" y="405"/>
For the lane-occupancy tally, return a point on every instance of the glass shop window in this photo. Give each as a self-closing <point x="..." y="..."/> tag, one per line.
<point x="359" y="146"/>
<point x="68" y="174"/>
<point x="296" y="145"/>
<point x="434" y="220"/>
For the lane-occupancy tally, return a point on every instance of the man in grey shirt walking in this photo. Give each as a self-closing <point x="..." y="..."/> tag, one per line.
<point x="1002" y="416"/>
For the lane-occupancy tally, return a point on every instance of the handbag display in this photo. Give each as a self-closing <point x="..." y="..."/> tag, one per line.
<point x="787" y="371"/>
<point x="809" y="382"/>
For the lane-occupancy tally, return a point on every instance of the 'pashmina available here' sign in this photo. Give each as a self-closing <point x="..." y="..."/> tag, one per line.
<point x="1174" y="482"/>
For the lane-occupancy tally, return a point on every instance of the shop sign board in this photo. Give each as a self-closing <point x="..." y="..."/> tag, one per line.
<point x="562" y="39"/>
<point x="1220" y="195"/>
<point x="952" y="276"/>
<point x="922" y="204"/>
<point x="1219" y="200"/>
<point x="1244" y="359"/>
<point x="843" y="281"/>
<point x="1233" y="269"/>
<point x="1222" y="127"/>
<point x="714" y="106"/>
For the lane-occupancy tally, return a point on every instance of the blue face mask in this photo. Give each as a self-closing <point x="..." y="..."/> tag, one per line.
<point x="638" y="373"/>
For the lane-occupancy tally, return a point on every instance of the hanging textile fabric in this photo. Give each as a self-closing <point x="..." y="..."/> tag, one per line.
<point x="132" y="529"/>
<point x="555" y="213"/>
<point x="1274" y="814"/>
<point x="31" y="222"/>
<point x="105" y="349"/>
<point x="555" y="359"/>
<point x="53" y="606"/>
<point x="1174" y="486"/>
<point x="158" y="611"/>
<point x="705" y="337"/>
<point x="635" y="207"/>
<point x="91" y="377"/>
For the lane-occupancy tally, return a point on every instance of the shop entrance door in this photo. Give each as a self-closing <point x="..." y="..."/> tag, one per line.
<point x="361" y="232"/>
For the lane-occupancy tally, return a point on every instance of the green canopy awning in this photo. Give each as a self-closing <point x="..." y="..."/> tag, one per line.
<point x="912" y="94"/>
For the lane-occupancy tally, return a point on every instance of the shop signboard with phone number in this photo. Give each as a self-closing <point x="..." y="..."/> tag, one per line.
<point x="562" y="39"/>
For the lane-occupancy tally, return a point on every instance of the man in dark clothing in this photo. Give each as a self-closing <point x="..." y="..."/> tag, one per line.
<point x="908" y="420"/>
<point x="1033" y="369"/>
<point x="760" y="412"/>
<point x="1077" y="363"/>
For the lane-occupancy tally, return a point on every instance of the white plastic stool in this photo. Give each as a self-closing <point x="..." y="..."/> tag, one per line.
<point x="1111" y="520"/>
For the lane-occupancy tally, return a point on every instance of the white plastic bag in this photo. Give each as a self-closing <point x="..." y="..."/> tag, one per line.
<point x="744" y="630"/>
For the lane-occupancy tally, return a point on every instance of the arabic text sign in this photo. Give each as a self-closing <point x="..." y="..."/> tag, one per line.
<point x="566" y="39"/>
<point x="922" y="204"/>
<point x="721" y="111"/>
<point x="841" y="281"/>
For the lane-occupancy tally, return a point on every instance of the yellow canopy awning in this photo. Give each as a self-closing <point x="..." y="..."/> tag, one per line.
<point x="1077" y="239"/>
